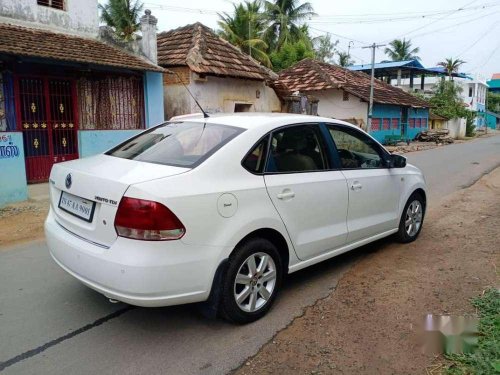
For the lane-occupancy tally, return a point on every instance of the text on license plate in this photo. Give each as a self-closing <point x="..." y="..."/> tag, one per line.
<point x="77" y="206"/>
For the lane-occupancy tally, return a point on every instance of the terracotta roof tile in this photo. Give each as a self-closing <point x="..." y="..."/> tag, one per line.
<point x="199" y="48"/>
<point x="311" y="75"/>
<point x="24" y="41"/>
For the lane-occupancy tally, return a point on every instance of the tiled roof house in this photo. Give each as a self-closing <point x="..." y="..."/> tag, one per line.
<point x="344" y="94"/>
<point x="64" y="91"/>
<point x="223" y="78"/>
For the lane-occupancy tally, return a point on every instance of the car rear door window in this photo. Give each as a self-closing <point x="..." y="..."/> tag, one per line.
<point x="355" y="149"/>
<point x="182" y="144"/>
<point x="256" y="158"/>
<point x="296" y="149"/>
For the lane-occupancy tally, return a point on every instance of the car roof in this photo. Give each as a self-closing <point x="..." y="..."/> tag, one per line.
<point x="254" y="120"/>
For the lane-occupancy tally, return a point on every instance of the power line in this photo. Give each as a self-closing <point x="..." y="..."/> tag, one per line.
<point x="488" y="30"/>
<point x="437" y="20"/>
<point x="484" y="5"/>
<point x="454" y="25"/>
<point x="338" y="35"/>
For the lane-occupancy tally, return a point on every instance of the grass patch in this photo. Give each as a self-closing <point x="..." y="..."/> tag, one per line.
<point x="486" y="358"/>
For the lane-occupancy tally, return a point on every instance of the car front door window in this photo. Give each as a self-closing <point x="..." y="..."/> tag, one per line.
<point x="355" y="150"/>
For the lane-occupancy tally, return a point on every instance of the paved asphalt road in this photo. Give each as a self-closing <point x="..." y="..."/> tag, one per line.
<point x="51" y="324"/>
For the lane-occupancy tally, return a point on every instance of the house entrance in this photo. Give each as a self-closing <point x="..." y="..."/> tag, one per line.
<point x="46" y="114"/>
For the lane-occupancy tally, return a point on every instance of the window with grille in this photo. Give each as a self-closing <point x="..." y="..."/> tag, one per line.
<point x="111" y="103"/>
<point x="56" y="4"/>
<point x="375" y="124"/>
<point x="395" y="123"/>
<point x="412" y="123"/>
<point x="386" y="124"/>
<point x="7" y="109"/>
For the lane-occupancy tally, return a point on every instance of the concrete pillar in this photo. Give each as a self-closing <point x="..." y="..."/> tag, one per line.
<point x="399" y="78"/>
<point x="411" y="79"/>
<point x="148" y="41"/>
<point x="422" y="82"/>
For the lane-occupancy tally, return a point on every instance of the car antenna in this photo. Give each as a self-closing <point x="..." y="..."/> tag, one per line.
<point x="205" y="115"/>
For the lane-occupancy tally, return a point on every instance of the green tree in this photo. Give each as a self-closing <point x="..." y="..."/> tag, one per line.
<point x="289" y="54"/>
<point x="451" y="66"/>
<point x="284" y="17"/>
<point x="122" y="16"/>
<point x="447" y="102"/>
<point x="493" y="102"/>
<point x="324" y="48"/>
<point x="244" y="29"/>
<point x="344" y="59"/>
<point x="401" y="50"/>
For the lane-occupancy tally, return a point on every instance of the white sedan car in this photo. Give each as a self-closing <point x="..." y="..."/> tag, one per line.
<point x="220" y="209"/>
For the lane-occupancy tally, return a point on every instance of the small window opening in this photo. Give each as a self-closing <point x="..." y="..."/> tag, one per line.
<point x="242" y="107"/>
<point x="56" y="4"/>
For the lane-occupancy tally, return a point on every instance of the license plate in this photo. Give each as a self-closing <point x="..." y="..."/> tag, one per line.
<point x="77" y="206"/>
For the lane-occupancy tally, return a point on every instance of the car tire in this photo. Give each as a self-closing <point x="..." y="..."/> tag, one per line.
<point x="250" y="286"/>
<point x="412" y="219"/>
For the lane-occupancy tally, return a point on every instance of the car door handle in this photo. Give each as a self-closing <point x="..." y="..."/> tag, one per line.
<point x="356" y="186"/>
<point x="285" y="194"/>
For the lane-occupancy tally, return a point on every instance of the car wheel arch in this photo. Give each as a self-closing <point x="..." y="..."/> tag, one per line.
<point x="276" y="238"/>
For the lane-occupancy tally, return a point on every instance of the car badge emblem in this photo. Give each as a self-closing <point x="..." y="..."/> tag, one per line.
<point x="68" y="181"/>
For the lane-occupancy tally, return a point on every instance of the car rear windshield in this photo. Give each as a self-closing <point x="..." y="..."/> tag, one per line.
<point x="180" y="144"/>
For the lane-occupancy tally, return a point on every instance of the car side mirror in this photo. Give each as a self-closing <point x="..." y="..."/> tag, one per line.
<point x="396" y="161"/>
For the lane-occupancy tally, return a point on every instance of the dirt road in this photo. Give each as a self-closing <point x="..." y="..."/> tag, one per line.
<point x="367" y="326"/>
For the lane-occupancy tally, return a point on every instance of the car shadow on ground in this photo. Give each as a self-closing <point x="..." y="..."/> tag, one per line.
<point x="300" y="289"/>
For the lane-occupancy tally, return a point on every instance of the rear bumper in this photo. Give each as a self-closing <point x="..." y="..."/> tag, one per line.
<point x="141" y="273"/>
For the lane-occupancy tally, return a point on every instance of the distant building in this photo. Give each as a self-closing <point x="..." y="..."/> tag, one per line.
<point x="220" y="76"/>
<point x="494" y="83"/>
<point x="344" y="94"/>
<point x="66" y="93"/>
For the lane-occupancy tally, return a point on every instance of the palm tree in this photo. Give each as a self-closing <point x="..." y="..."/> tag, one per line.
<point x="344" y="59"/>
<point x="122" y="16"/>
<point x="244" y="30"/>
<point x="400" y="50"/>
<point x="451" y="66"/>
<point x="284" y="17"/>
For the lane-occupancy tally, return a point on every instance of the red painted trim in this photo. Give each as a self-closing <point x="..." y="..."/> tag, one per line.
<point x="74" y="95"/>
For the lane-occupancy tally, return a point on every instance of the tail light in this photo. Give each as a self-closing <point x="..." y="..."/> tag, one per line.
<point x="147" y="220"/>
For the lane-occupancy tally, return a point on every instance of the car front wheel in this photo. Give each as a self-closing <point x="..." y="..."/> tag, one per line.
<point x="252" y="281"/>
<point x="412" y="219"/>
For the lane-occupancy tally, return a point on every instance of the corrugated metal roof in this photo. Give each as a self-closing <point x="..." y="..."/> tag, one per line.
<point x="389" y="64"/>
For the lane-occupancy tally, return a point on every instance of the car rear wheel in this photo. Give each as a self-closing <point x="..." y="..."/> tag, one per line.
<point x="252" y="281"/>
<point x="412" y="219"/>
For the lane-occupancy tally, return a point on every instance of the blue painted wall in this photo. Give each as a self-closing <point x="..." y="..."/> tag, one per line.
<point x="382" y="111"/>
<point x="13" y="185"/>
<point x="491" y="121"/>
<point x="417" y="113"/>
<point x="91" y="142"/>
<point x="153" y="98"/>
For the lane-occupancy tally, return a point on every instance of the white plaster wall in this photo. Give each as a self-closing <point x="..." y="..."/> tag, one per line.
<point x="220" y="94"/>
<point x="177" y="101"/>
<point x="331" y="104"/>
<point x="79" y="16"/>
<point x="456" y="127"/>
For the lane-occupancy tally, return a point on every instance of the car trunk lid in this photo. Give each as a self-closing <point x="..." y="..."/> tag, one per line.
<point x="97" y="183"/>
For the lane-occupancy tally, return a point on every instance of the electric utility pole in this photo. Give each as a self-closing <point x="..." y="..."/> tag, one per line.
<point x="372" y="83"/>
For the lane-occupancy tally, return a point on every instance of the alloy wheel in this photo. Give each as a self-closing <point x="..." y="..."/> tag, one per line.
<point x="254" y="282"/>
<point x="413" y="219"/>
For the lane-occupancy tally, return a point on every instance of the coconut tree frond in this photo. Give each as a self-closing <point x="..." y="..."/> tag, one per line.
<point x="244" y="29"/>
<point x="401" y="49"/>
<point x="122" y="16"/>
<point x="451" y="66"/>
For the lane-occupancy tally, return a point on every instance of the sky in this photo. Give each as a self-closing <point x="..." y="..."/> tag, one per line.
<point x="465" y="29"/>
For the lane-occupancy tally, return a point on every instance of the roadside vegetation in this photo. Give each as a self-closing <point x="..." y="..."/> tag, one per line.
<point x="485" y="360"/>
